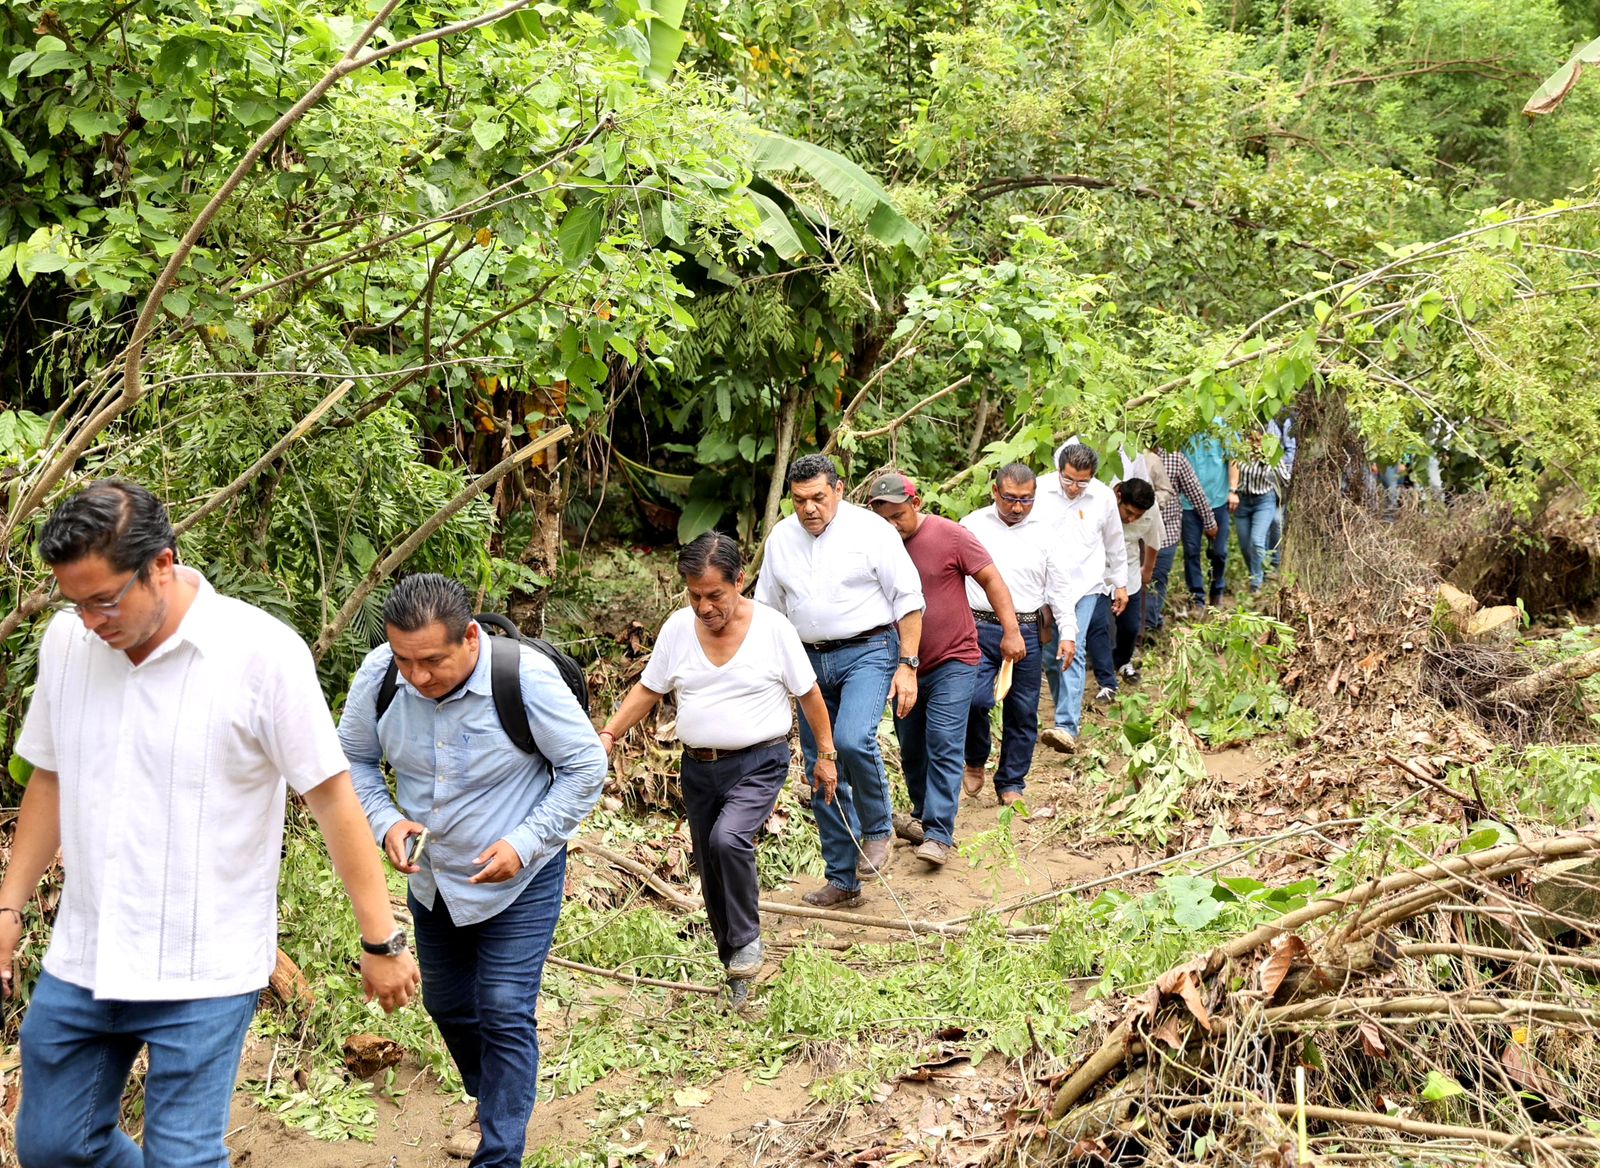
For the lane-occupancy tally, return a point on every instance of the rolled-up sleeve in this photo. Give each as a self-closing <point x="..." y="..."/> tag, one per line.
<point x="358" y="735"/>
<point x="563" y="734"/>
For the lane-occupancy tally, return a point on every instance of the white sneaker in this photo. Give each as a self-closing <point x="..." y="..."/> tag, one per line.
<point x="1106" y="694"/>
<point x="1129" y="671"/>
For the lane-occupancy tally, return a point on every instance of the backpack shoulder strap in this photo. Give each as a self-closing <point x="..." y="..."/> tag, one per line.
<point x="387" y="688"/>
<point x="505" y="679"/>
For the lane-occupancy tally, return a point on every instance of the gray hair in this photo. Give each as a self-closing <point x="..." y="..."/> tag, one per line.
<point x="417" y="601"/>
<point x="1078" y="457"/>
<point x="1018" y="473"/>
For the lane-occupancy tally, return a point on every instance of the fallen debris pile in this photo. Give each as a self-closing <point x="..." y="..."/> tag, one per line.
<point x="1446" y="1012"/>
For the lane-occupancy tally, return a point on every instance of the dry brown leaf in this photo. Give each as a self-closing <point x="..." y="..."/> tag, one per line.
<point x="1189" y="991"/>
<point x="1288" y="951"/>
<point x="1525" y="1072"/>
<point x="1168" y="1032"/>
<point x="1372" y="1040"/>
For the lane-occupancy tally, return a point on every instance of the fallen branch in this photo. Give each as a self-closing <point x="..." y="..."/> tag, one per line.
<point x="1429" y="781"/>
<point x="1513" y="956"/>
<point x="1424" y="1004"/>
<point x="1526" y="689"/>
<point x="687" y="987"/>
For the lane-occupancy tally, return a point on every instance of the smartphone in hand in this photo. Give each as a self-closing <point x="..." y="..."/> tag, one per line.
<point x="414" y="846"/>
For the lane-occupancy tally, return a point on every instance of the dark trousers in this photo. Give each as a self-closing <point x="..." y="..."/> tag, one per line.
<point x="1129" y="624"/>
<point x="481" y="985"/>
<point x="1216" y="554"/>
<point x="1019" y="712"/>
<point x="932" y="746"/>
<point x="1155" y="596"/>
<point x="727" y="802"/>
<point x="1098" y="641"/>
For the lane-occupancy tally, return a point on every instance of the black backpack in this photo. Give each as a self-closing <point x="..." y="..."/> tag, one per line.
<point x="505" y="643"/>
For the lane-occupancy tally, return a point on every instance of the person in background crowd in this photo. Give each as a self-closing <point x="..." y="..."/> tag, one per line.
<point x="1187" y="485"/>
<point x="1025" y="551"/>
<point x="842" y="576"/>
<point x="933" y="736"/>
<point x="1083" y="517"/>
<point x="165" y="724"/>
<point x="731" y="665"/>
<point x="1206" y="455"/>
<point x="480" y="827"/>
<point x="1287" y="442"/>
<point x="1141" y="533"/>
<point x="1253" y="502"/>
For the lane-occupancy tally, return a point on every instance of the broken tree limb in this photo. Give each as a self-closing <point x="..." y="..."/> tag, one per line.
<point x="1526" y="689"/>
<point x="1510" y="956"/>
<point x="687" y="987"/>
<point x="1412" y="1127"/>
<point x="1509" y="1009"/>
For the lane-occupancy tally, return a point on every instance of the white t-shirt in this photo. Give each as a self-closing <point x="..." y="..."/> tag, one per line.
<point x="739" y="704"/>
<point x="172" y="787"/>
<point x="855" y="576"/>
<point x="1148" y="529"/>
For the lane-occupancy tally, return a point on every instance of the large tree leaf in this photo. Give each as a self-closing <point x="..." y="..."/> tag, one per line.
<point x="699" y="516"/>
<point x="844" y="180"/>
<point x="775" y="229"/>
<point x="1556" y="87"/>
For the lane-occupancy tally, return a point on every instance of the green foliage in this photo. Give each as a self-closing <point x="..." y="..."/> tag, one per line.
<point x="1225" y="679"/>
<point x="329" y="1106"/>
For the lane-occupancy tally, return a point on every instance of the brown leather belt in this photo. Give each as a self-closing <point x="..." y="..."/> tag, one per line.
<point x="984" y="617"/>
<point x="712" y="753"/>
<point x="859" y="638"/>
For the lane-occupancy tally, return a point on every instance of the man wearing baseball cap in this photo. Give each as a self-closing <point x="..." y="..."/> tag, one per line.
<point x="933" y="734"/>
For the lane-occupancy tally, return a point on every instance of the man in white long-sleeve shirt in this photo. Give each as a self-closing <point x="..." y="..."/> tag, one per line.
<point x="1025" y="551"/>
<point x="844" y="579"/>
<point x="1089" y="530"/>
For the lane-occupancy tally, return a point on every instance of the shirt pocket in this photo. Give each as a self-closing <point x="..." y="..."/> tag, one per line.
<point x="853" y="571"/>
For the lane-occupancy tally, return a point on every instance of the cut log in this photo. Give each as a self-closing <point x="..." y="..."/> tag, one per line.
<point x="1453" y="608"/>
<point x="289" y="985"/>
<point x="1494" y="626"/>
<point x="1528" y="689"/>
<point x="367" y="1054"/>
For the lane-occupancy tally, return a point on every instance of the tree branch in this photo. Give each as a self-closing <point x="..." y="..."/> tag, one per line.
<point x="891" y="427"/>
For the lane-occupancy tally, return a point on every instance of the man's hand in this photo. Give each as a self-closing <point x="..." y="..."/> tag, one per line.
<point x="392" y="980"/>
<point x="1233" y="501"/>
<point x="1012" y="646"/>
<point x="903" y="690"/>
<point x="398" y="841"/>
<point x="500" y="862"/>
<point x="825" y="778"/>
<point x="1211" y="532"/>
<point x="1119" y="601"/>
<point x="10" y="938"/>
<point x="1066" y="652"/>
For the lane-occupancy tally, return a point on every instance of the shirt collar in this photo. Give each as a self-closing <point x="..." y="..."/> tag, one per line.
<point x="204" y="626"/>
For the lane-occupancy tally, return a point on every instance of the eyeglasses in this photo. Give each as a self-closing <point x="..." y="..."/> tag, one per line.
<point x="110" y="609"/>
<point x="1017" y="500"/>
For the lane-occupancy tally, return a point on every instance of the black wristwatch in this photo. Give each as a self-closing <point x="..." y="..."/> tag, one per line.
<point x="911" y="661"/>
<point x="393" y="947"/>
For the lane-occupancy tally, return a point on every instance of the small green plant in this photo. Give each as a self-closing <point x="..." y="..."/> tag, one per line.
<point x="1225" y="676"/>
<point x="328" y="1106"/>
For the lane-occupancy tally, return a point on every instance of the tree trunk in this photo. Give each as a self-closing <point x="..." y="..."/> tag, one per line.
<point x="788" y="419"/>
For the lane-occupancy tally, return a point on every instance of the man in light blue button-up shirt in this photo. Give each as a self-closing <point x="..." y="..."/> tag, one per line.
<point x="492" y="823"/>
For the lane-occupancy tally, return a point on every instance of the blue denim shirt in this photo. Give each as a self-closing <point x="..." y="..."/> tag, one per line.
<point x="1210" y="464"/>
<point x="458" y="774"/>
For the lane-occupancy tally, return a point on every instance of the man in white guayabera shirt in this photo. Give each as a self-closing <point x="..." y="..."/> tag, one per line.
<point x="843" y="577"/>
<point x="164" y="724"/>
<point x="731" y="666"/>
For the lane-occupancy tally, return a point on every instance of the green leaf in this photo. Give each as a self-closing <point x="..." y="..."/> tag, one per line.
<point x="698" y="517"/>
<point x="20" y="770"/>
<point x="844" y="180"/>
<point x="50" y="62"/>
<point x="579" y="232"/>
<point x="90" y="124"/>
<point x="1193" y="905"/>
<point x="775" y="229"/>
<point x="1554" y="91"/>
<point x="1440" y="1087"/>
<point x="488" y="134"/>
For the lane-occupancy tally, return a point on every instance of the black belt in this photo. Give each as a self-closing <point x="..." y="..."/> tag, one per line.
<point x="712" y="753"/>
<point x="984" y="617"/>
<point x="859" y="638"/>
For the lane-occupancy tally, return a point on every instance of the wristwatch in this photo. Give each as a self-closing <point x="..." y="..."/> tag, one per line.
<point x="393" y="947"/>
<point x="827" y="756"/>
<point x="911" y="661"/>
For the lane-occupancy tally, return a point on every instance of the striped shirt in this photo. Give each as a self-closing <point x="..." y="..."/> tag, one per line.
<point x="1257" y="478"/>
<point x="1187" y="485"/>
<point x="172" y="776"/>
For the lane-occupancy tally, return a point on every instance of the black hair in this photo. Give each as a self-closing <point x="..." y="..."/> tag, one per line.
<point x="1137" y="493"/>
<point x="711" y="550"/>
<point x="114" y="518"/>
<point x="1019" y="473"/>
<point x="1078" y="457"/>
<point x="811" y="466"/>
<point x="417" y="601"/>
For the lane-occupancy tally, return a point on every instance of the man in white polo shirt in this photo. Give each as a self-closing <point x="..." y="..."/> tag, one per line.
<point x="164" y="724"/>
<point x="844" y="579"/>
<point x="1025" y="550"/>
<point x="732" y="667"/>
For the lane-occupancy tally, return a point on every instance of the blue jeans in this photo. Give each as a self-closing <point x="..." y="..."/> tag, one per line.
<point x="933" y="741"/>
<point x="1066" y="685"/>
<point x="76" y="1054"/>
<point x="1019" y="713"/>
<point x="1101" y="643"/>
<point x="480" y="983"/>
<point x="1156" y="594"/>
<point x="855" y="686"/>
<point x="1253" y="522"/>
<point x="1216" y="553"/>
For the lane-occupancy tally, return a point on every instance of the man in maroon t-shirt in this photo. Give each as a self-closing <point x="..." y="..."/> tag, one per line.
<point x="933" y="735"/>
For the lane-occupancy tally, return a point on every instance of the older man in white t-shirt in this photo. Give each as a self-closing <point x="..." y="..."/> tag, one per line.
<point x="732" y="666"/>
<point x="165" y="723"/>
<point x="843" y="577"/>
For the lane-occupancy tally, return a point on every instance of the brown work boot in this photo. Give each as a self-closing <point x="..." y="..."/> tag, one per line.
<point x="907" y="828"/>
<point x="874" y="858"/>
<point x="832" y="896"/>
<point x="462" y="1143"/>
<point x="1058" y="739"/>
<point x="935" y="853"/>
<point x="1010" y="795"/>
<point x="972" y="780"/>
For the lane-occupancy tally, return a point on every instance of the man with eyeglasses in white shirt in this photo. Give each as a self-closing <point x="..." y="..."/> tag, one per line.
<point x="1024" y="549"/>
<point x="165" y="722"/>
<point x="844" y="579"/>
